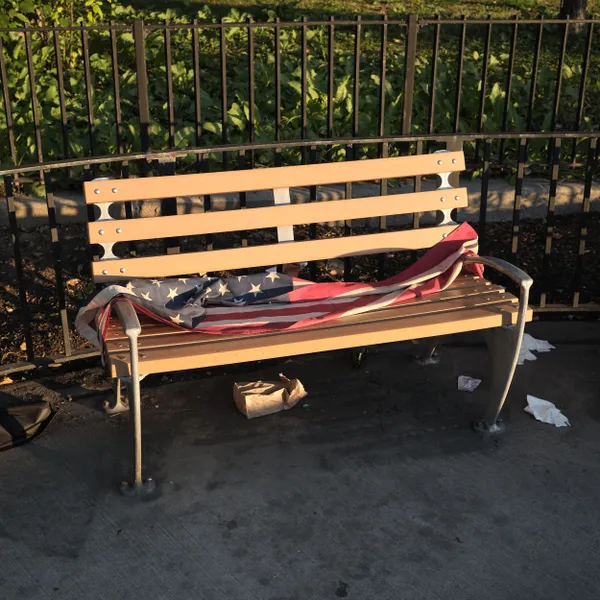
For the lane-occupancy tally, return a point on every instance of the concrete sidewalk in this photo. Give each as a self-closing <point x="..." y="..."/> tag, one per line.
<point x="377" y="490"/>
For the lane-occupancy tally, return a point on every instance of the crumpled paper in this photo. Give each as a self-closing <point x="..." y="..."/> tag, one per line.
<point x="258" y="398"/>
<point x="530" y="345"/>
<point x="467" y="384"/>
<point x="546" y="412"/>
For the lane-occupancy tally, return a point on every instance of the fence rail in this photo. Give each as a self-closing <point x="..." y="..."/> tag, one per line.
<point x="135" y="99"/>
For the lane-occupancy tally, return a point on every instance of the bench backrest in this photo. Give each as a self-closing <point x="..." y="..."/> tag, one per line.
<point x="107" y="231"/>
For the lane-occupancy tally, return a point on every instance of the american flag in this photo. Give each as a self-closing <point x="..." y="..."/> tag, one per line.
<point x="271" y="301"/>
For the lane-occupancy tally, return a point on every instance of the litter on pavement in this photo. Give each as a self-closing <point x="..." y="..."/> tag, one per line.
<point x="531" y="345"/>
<point x="546" y="412"/>
<point x="258" y="398"/>
<point x="467" y="384"/>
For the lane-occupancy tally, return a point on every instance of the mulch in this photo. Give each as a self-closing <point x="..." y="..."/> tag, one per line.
<point x="40" y="276"/>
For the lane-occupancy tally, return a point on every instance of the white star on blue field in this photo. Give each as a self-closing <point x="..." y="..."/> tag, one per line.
<point x="182" y="300"/>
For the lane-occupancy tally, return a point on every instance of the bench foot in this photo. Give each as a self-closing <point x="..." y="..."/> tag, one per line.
<point x="146" y="487"/>
<point x="426" y="353"/>
<point x="119" y="403"/>
<point x="495" y="428"/>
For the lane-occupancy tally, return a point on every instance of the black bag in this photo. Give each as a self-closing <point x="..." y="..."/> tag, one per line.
<point x="22" y="422"/>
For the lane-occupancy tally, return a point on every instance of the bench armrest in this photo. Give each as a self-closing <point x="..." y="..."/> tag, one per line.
<point x="128" y="317"/>
<point x="517" y="275"/>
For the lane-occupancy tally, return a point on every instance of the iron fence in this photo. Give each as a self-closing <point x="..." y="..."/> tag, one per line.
<point x="135" y="99"/>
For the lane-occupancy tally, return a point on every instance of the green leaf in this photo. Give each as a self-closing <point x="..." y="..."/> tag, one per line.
<point x="51" y="94"/>
<point x="213" y="127"/>
<point x="295" y="85"/>
<point x="495" y="93"/>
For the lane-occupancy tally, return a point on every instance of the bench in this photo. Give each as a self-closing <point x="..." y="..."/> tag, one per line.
<point x="136" y="346"/>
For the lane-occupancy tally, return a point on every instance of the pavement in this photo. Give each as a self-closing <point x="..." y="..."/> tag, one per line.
<point x="373" y="487"/>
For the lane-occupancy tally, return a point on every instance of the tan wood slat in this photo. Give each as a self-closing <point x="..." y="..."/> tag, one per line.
<point x="267" y="179"/>
<point x="313" y="340"/>
<point x="463" y="286"/>
<point x="274" y="216"/>
<point x="200" y="341"/>
<point x="256" y="256"/>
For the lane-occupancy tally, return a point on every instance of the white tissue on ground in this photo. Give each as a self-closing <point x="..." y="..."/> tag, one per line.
<point x="530" y="345"/>
<point x="467" y="384"/>
<point x="546" y="412"/>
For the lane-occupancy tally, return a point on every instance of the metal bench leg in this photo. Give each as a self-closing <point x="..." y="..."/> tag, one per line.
<point x="120" y="403"/>
<point x="138" y="486"/>
<point x="503" y="344"/>
<point x="426" y="353"/>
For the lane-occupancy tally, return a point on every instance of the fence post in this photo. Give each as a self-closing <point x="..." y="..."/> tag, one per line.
<point x="409" y="73"/>
<point x="168" y="206"/>
<point x="21" y="282"/>
<point x="142" y="83"/>
<point x="58" y="268"/>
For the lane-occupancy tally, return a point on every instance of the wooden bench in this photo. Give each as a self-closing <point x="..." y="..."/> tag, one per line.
<point x="136" y="347"/>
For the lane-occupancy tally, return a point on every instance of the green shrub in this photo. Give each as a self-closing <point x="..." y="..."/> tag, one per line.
<point x="238" y="110"/>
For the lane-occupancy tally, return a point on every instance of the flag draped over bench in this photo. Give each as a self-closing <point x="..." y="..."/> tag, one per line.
<point x="270" y="301"/>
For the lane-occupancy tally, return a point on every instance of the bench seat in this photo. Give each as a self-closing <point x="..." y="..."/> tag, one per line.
<point x="470" y="303"/>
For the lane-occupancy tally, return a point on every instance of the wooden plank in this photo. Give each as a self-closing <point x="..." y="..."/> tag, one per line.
<point x="312" y="340"/>
<point x="123" y="190"/>
<point x="459" y="290"/>
<point x="281" y="215"/>
<point x="257" y="256"/>
<point x="200" y="341"/>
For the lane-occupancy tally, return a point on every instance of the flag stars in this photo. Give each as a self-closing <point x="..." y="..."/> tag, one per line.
<point x="183" y="280"/>
<point x="255" y="289"/>
<point x="223" y="289"/>
<point x="155" y="282"/>
<point x="172" y="293"/>
<point x="177" y="319"/>
<point x="147" y="297"/>
<point x="130" y="287"/>
<point x="240" y="277"/>
<point x="272" y="276"/>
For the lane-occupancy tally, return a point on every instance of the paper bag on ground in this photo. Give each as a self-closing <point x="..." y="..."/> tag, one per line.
<point x="258" y="398"/>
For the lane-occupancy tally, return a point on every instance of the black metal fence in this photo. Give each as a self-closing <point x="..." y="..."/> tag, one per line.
<point x="119" y="100"/>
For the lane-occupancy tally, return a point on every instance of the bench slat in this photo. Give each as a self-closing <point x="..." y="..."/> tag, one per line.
<point x="443" y="304"/>
<point x="319" y="339"/>
<point x="275" y="216"/>
<point x="258" y="256"/>
<point x="463" y="287"/>
<point x="268" y="179"/>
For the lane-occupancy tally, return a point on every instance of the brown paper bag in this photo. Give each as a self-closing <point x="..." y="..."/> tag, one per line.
<point x="258" y="398"/>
